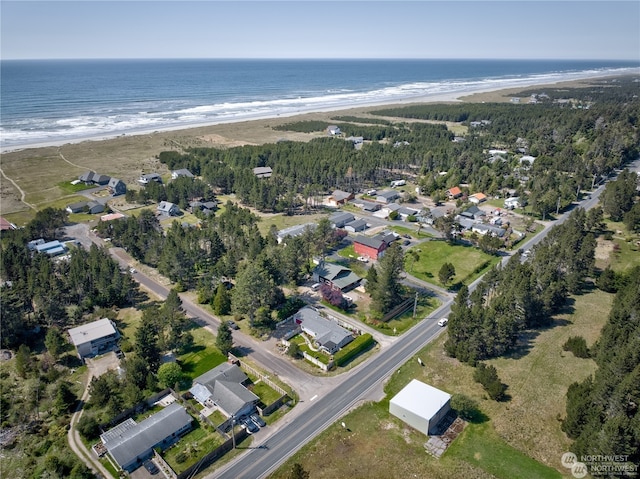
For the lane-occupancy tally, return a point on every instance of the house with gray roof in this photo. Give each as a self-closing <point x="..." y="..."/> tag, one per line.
<point x="183" y="172"/>
<point x="473" y="212"/>
<point x="263" y="172"/>
<point x="95" y="207"/>
<point x="328" y="335"/>
<point x="339" y="219"/>
<point x="483" y="229"/>
<point x="335" y="275"/>
<point x="94" y="338"/>
<point x="387" y="196"/>
<point x="149" y="177"/>
<point x="356" y="226"/>
<point x="294" y="231"/>
<point x="91" y="177"/>
<point x="131" y="443"/>
<point x="168" y="208"/>
<point x="78" y="207"/>
<point x="223" y="387"/>
<point x="117" y="187"/>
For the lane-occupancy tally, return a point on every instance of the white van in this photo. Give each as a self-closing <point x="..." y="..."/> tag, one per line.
<point x="315" y="287"/>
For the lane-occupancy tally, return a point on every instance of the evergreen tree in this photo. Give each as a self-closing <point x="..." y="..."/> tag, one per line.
<point x="447" y="271"/>
<point x="222" y="300"/>
<point x="224" y="339"/>
<point x="388" y="291"/>
<point x="146" y="341"/>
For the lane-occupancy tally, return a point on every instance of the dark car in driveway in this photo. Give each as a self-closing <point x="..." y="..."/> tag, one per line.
<point x="249" y="425"/>
<point x="257" y="420"/>
<point x="151" y="467"/>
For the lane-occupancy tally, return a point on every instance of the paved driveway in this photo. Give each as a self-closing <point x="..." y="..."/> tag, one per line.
<point x="101" y="364"/>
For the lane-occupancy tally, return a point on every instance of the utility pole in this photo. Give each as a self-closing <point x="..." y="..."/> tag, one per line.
<point x="415" y="305"/>
<point x="233" y="430"/>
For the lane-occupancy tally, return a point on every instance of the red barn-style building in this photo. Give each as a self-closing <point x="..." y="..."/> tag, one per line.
<point x="370" y="247"/>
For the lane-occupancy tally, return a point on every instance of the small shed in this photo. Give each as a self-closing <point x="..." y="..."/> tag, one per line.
<point x="421" y="406"/>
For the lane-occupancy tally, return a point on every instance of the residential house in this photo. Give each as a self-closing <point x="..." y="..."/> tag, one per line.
<point x="181" y="173"/>
<point x="263" y="171"/>
<point x="6" y="225"/>
<point x="357" y="141"/>
<point x="338" y="220"/>
<point x="454" y="192"/>
<point x="168" y="208"/>
<point x="78" y="207"/>
<point x="370" y="247"/>
<point x="149" y="177"/>
<point x="387" y="196"/>
<point x="478" y="198"/>
<point x="327" y="335"/>
<point x="431" y="217"/>
<point x="365" y="205"/>
<point x="223" y="387"/>
<point x="333" y="130"/>
<point x="91" y="177"/>
<point x="294" y="231"/>
<point x="405" y="212"/>
<point x="483" y="229"/>
<point x="465" y="223"/>
<point x="338" y="277"/>
<point x="356" y="226"/>
<point x="474" y="213"/>
<point x="51" y="248"/>
<point x="527" y="161"/>
<point x="94" y="338"/>
<point x="117" y="187"/>
<point x="339" y="198"/>
<point x="207" y="207"/>
<point x="95" y="207"/>
<point x="513" y="202"/>
<point x="131" y="443"/>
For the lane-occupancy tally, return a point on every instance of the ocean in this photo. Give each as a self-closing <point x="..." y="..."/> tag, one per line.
<point x="53" y="101"/>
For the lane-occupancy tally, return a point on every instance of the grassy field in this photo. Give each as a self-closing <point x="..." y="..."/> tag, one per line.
<point x="468" y="261"/>
<point x="521" y="438"/>
<point x="281" y="221"/>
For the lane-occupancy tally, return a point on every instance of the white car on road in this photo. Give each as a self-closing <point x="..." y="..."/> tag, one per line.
<point x="443" y="322"/>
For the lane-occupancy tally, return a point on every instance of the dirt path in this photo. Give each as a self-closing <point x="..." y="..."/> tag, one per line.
<point x="72" y="164"/>
<point x="22" y="193"/>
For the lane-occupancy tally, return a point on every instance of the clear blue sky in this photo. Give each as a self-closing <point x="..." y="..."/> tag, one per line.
<point x="568" y="29"/>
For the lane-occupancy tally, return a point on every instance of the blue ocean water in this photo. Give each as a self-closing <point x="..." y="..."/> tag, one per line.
<point x="48" y="101"/>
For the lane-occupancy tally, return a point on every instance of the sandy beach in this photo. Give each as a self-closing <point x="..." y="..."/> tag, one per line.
<point x="30" y="173"/>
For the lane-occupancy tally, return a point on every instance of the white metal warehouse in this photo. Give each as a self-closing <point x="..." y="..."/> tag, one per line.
<point x="420" y="406"/>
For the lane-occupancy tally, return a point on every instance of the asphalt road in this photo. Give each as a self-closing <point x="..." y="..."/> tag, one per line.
<point x="326" y="409"/>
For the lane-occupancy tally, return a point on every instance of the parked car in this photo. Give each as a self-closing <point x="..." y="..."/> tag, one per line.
<point x="233" y="325"/>
<point x="363" y="259"/>
<point x="151" y="467"/>
<point x="258" y="420"/>
<point x="443" y="322"/>
<point x="406" y="242"/>
<point x="249" y="425"/>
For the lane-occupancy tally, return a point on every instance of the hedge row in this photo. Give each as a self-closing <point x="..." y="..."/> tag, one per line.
<point x="351" y="350"/>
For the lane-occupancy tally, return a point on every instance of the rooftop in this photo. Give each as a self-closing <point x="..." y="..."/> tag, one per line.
<point x="92" y="331"/>
<point x="421" y="399"/>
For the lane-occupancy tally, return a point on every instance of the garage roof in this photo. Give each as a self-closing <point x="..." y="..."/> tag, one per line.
<point x="421" y="399"/>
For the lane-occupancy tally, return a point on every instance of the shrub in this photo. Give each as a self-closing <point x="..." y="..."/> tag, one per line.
<point x="351" y="350"/>
<point x="466" y="407"/>
<point x="488" y="377"/>
<point x="578" y="346"/>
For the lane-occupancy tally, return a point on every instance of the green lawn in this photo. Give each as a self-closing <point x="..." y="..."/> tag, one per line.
<point x="192" y="447"/>
<point x="266" y="394"/>
<point x="281" y="221"/>
<point x="468" y="261"/>
<point x="480" y="446"/>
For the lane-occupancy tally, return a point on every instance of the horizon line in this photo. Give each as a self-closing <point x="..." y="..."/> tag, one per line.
<point x="637" y="60"/>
